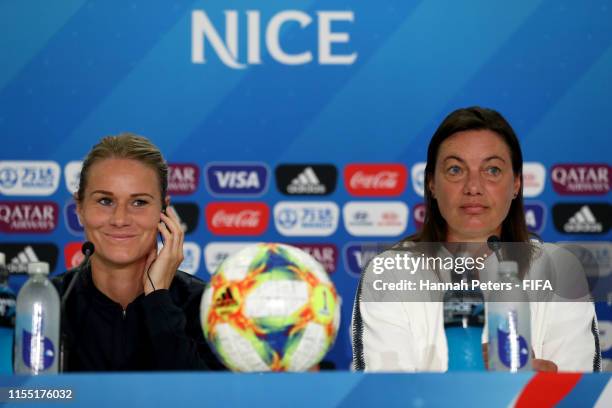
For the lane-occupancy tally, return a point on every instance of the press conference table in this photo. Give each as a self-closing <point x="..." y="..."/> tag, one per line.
<point x="468" y="389"/>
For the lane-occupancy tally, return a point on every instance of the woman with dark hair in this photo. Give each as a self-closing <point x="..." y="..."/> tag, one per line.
<point x="130" y="308"/>
<point x="474" y="190"/>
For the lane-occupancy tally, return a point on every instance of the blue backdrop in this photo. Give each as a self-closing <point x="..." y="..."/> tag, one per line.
<point x="74" y="71"/>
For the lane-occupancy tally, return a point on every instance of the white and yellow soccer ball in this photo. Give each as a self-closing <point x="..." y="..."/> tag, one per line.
<point x="270" y="307"/>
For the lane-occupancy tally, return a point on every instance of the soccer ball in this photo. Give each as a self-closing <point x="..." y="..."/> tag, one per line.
<point x="270" y="307"/>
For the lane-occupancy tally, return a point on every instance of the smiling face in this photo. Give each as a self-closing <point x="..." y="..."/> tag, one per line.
<point x="120" y="210"/>
<point x="474" y="184"/>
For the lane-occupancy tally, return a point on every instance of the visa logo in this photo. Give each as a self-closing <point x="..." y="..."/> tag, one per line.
<point x="236" y="179"/>
<point x="357" y="255"/>
<point x="535" y="214"/>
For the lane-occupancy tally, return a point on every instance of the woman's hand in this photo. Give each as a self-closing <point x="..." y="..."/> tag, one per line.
<point x="161" y="268"/>
<point x="544" y="365"/>
<point x="537" y="364"/>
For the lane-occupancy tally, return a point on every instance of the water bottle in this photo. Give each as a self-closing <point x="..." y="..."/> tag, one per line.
<point x="38" y="324"/>
<point x="7" y="319"/>
<point x="509" y="323"/>
<point x="463" y="325"/>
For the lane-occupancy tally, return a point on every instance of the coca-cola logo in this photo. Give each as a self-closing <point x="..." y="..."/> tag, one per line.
<point x="73" y="256"/>
<point x="375" y="179"/>
<point x="30" y="217"/>
<point x="237" y="218"/>
<point x="384" y="180"/>
<point x="581" y="179"/>
<point x="243" y="219"/>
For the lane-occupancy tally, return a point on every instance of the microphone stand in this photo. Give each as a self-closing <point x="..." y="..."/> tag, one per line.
<point x="87" y="249"/>
<point x="495" y="245"/>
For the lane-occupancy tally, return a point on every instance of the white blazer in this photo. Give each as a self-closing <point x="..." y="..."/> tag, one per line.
<point x="410" y="336"/>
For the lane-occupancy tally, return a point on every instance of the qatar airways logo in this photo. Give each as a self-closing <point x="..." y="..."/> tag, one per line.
<point x="581" y="178"/>
<point x="325" y="254"/>
<point x="28" y="216"/>
<point x="375" y="180"/>
<point x="204" y="32"/>
<point x="237" y="218"/>
<point x="183" y="178"/>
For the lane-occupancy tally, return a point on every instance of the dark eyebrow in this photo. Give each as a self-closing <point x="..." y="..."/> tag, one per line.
<point x="493" y="158"/>
<point x="463" y="161"/>
<point x="454" y="157"/>
<point x="104" y="192"/>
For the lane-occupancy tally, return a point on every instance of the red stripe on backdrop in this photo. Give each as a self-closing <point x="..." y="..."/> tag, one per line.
<point x="547" y="389"/>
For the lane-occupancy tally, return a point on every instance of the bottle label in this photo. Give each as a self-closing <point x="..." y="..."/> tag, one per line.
<point x="38" y="351"/>
<point x="512" y="348"/>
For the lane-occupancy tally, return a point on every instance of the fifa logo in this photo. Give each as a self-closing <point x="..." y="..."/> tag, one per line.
<point x="203" y="32"/>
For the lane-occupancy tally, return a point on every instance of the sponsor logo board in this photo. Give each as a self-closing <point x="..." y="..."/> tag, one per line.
<point x="418" y="178"/>
<point x="418" y="214"/>
<point x="581" y="179"/>
<point x="29" y="178"/>
<point x="534" y="178"/>
<point x="237" y="218"/>
<point x="72" y="176"/>
<point x="375" y="180"/>
<point x="28" y="216"/>
<point x="325" y="254"/>
<point x="375" y="218"/>
<point x="306" y="179"/>
<point x="19" y="255"/>
<point x="358" y="254"/>
<point x="582" y="218"/>
<point x="217" y="252"/>
<point x="306" y="218"/>
<point x="236" y="179"/>
<point x="188" y="215"/>
<point x="535" y="216"/>
<point x="183" y="178"/>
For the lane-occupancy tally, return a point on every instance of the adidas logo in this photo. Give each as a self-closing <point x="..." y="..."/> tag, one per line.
<point x="181" y="223"/>
<point x="225" y="299"/>
<point x="583" y="221"/>
<point x="19" y="264"/>
<point x="306" y="182"/>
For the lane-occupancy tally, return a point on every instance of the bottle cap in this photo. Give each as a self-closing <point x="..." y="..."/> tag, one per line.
<point x="508" y="267"/>
<point x="38" y="267"/>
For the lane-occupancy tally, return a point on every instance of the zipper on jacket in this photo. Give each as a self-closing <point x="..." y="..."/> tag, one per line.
<point x="123" y="313"/>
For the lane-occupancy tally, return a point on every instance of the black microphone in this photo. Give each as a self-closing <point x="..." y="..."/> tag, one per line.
<point x="88" y="250"/>
<point x="495" y="245"/>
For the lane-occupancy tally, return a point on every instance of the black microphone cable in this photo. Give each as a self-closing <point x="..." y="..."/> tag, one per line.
<point x="87" y="249"/>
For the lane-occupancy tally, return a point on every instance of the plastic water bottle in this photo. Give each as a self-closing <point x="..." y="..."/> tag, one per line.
<point x="38" y="324"/>
<point x="509" y="323"/>
<point x="463" y="325"/>
<point x="7" y="319"/>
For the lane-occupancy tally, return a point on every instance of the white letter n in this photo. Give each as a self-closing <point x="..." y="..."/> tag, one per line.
<point x="202" y="28"/>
